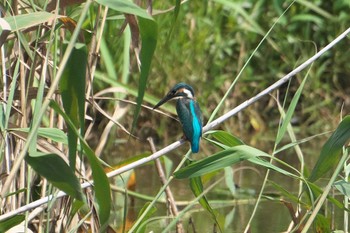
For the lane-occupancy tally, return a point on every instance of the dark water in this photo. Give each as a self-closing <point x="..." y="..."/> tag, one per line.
<point x="271" y="216"/>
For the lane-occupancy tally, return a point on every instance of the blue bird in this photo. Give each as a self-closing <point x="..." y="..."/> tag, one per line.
<point x="188" y="111"/>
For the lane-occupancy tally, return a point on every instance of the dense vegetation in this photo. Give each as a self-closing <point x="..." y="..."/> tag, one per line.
<point x="79" y="80"/>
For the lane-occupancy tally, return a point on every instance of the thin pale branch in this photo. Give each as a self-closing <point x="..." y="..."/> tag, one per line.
<point x="209" y="126"/>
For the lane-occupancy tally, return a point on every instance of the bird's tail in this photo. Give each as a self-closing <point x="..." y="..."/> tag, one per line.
<point x="195" y="147"/>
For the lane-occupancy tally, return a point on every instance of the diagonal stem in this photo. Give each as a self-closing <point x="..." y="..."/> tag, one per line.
<point x="178" y="143"/>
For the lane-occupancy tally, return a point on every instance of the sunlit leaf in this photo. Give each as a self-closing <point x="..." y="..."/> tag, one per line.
<point x="57" y="172"/>
<point x="5" y="30"/>
<point x="53" y="134"/>
<point x="331" y="151"/>
<point x="230" y="183"/>
<point x="343" y="187"/>
<point x="24" y="21"/>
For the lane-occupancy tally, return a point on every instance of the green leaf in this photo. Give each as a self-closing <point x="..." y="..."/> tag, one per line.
<point x="286" y="120"/>
<point x="307" y="18"/>
<point x="80" y="206"/>
<point x="53" y="134"/>
<point x="197" y="189"/>
<point x="226" y="138"/>
<point x="230" y="183"/>
<point x="316" y="191"/>
<point x="322" y="223"/>
<point x="215" y="162"/>
<point x="149" y="34"/>
<point x="285" y="192"/>
<point x="101" y="184"/>
<point x="24" y="21"/>
<point x="331" y="151"/>
<point x="72" y="89"/>
<point x="226" y="158"/>
<point x="7" y="224"/>
<point x="343" y="187"/>
<point x="125" y="7"/>
<point x="263" y="163"/>
<point x="57" y="172"/>
<point x="107" y="58"/>
<point x="142" y="227"/>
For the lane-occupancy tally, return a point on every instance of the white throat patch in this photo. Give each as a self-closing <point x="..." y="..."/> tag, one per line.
<point x="188" y="93"/>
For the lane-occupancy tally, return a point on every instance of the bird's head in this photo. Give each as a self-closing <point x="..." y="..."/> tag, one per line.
<point x="180" y="90"/>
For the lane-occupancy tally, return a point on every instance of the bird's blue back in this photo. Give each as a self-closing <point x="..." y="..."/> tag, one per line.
<point x="191" y="119"/>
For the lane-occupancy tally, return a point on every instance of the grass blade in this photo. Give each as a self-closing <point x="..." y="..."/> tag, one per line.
<point x="25" y="21"/>
<point x="331" y="151"/>
<point x="72" y="88"/>
<point x="226" y="158"/>
<point x="149" y="34"/>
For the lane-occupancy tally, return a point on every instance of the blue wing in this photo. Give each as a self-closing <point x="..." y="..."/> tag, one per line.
<point x="191" y="119"/>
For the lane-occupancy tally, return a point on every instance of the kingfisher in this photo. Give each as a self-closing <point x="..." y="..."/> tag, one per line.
<point x="188" y="112"/>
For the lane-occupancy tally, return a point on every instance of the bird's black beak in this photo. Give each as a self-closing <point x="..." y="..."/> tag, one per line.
<point x="164" y="100"/>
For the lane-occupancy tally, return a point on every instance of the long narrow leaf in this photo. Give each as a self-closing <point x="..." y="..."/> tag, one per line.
<point x="226" y="138"/>
<point x="331" y="151"/>
<point x="72" y="89"/>
<point x="286" y="120"/>
<point x="215" y="162"/>
<point x="142" y="227"/>
<point x="149" y="34"/>
<point x="125" y="7"/>
<point x="197" y="189"/>
<point x="24" y="21"/>
<point x="53" y="134"/>
<point x="101" y="184"/>
<point x="226" y="158"/>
